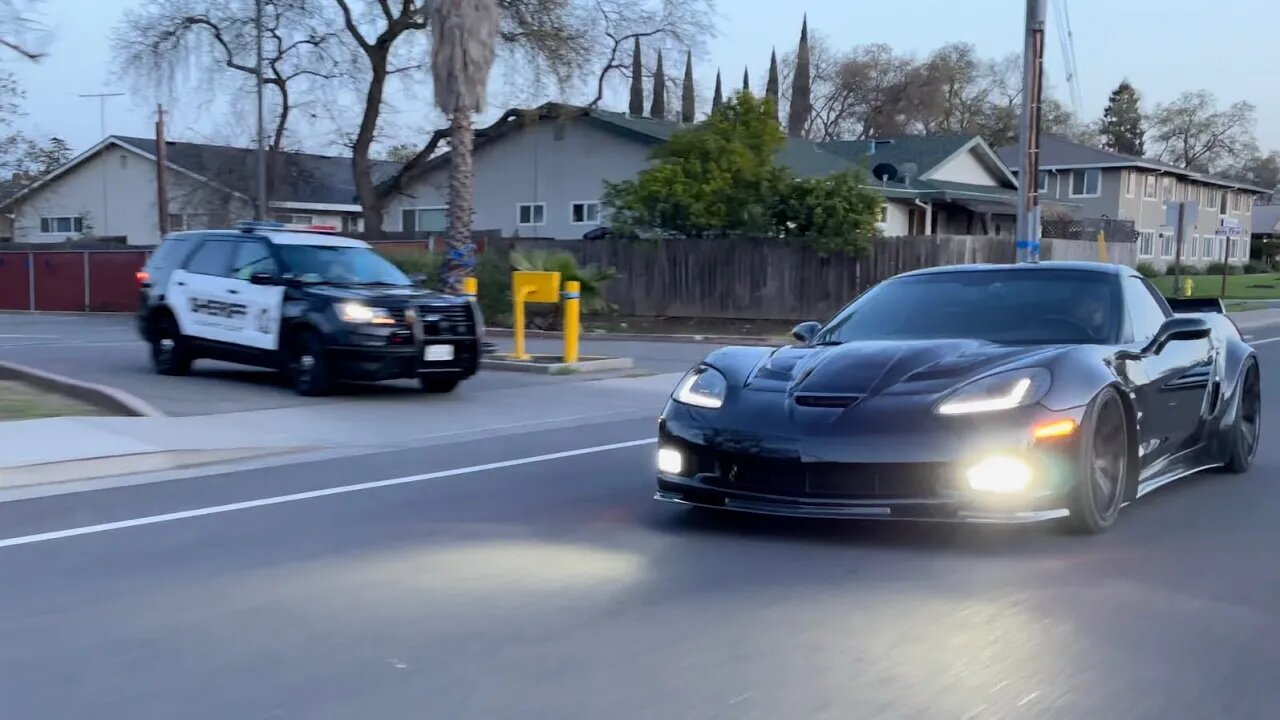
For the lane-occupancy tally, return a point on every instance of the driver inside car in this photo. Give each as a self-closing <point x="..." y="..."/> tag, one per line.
<point x="1091" y="311"/>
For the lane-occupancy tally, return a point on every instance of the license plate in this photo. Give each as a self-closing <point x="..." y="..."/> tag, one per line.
<point x="438" y="353"/>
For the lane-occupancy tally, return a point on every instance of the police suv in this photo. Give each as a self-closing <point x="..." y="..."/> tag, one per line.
<point x="319" y="306"/>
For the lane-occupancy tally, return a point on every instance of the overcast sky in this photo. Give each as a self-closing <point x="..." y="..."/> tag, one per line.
<point x="1162" y="46"/>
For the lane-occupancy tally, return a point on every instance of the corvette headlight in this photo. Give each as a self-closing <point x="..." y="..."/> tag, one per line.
<point x="354" y="312"/>
<point x="703" y="387"/>
<point x="1001" y="391"/>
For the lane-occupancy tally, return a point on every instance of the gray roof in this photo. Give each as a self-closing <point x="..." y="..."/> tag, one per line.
<point x="1265" y="219"/>
<point x="1058" y="152"/>
<point x="927" y="152"/>
<point x="303" y="177"/>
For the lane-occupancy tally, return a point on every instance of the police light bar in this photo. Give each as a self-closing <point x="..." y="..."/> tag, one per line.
<point x="252" y="225"/>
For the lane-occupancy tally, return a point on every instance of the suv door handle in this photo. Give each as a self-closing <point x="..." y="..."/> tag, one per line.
<point x="181" y="284"/>
<point x="234" y="292"/>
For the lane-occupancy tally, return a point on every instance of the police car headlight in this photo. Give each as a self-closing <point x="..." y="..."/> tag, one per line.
<point x="360" y="314"/>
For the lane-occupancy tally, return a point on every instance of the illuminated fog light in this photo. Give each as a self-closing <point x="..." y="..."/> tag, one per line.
<point x="999" y="475"/>
<point x="670" y="462"/>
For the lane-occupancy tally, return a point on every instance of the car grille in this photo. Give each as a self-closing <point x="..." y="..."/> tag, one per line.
<point x="442" y="320"/>
<point x="852" y="481"/>
<point x="826" y="401"/>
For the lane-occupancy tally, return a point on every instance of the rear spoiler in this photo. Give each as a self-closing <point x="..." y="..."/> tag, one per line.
<point x="1196" y="305"/>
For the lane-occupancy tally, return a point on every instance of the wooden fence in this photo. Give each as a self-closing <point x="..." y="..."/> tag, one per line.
<point x="769" y="279"/>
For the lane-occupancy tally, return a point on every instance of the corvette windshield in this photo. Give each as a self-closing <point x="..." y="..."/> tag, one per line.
<point x="341" y="265"/>
<point x="1013" y="307"/>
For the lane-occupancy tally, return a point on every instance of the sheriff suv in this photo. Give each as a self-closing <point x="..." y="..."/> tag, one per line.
<point x="321" y="307"/>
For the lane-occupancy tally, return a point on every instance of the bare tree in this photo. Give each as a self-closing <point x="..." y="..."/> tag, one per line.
<point x="199" y="43"/>
<point x="1194" y="133"/>
<point x="19" y="32"/>
<point x="669" y="25"/>
<point x="853" y="95"/>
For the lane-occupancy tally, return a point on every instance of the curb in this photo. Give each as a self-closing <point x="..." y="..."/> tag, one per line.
<point x="751" y="341"/>
<point x="585" y="365"/>
<point x="25" y="477"/>
<point x="101" y="396"/>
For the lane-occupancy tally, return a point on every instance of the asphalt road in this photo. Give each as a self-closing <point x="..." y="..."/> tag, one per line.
<point x="105" y="349"/>
<point x="488" y="580"/>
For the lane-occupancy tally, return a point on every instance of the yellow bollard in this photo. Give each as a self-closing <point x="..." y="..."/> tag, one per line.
<point x="470" y="287"/>
<point x="521" y="296"/>
<point x="572" y="297"/>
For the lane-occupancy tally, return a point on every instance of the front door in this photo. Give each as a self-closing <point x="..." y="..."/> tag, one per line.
<point x="262" y="302"/>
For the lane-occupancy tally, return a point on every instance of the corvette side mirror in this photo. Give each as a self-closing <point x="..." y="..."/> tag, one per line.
<point x="1178" y="328"/>
<point x="805" y="332"/>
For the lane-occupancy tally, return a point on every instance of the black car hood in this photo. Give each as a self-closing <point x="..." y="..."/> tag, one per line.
<point x="870" y="368"/>
<point x="382" y="294"/>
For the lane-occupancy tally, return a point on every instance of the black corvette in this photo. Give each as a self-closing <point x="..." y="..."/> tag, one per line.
<point x="996" y="393"/>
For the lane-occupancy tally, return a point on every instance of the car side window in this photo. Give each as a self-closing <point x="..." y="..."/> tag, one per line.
<point x="252" y="257"/>
<point x="213" y="257"/>
<point x="1145" y="314"/>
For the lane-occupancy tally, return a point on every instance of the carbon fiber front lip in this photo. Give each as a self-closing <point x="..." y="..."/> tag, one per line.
<point x="868" y="512"/>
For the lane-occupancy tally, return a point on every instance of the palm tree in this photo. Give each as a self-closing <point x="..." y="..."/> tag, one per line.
<point x="464" y="34"/>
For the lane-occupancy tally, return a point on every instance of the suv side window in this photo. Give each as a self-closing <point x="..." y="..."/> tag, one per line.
<point x="252" y="256"/>
<point x="1146" y="315"/>
<point x="168" y="256"/>
<point x="213" y="257"/>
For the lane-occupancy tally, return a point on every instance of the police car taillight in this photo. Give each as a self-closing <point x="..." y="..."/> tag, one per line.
<point x="143" y="277"/>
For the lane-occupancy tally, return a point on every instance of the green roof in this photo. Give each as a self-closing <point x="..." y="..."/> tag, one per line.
<point x="926" y="152"/>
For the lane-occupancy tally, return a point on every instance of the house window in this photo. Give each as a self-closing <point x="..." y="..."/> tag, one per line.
<point x="1168" y="188"/>
<point x="531" y="213"/>
<point x="1086" y="183"/>
<point x="178" y="223"/>
<point x="424" y="220"/>
<point x="1130" y="182"/>
<point x="1167" y="245"/>
<point x="1248" y="204"/>
<point x="289" y="219"/>
<point x="1043" y="189"/>
<point x="1224" y="200"/>
<point x="584" y="213"/>
<point x="1206" y="247"/>
<point x="352" y="224"/>
<point x="1149" y="187"/>
<point x="62" y="224"/>
<point x="1147" y="243"/>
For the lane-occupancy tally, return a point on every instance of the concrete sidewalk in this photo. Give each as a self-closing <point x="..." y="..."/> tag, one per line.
<point x="58" y="450"/>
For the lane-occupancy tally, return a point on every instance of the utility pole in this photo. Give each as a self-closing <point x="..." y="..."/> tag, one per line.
<point x="262" y="150"/>
<point x="1179" y="228"/>
<point x="1028" y="218"/>
<point x="162" y="173"/>
<point x="102" y="131"/>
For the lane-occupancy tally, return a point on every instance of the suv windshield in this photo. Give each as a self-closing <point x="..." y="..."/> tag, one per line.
<point x="340" y="265"/>
<point x="1013" y="307"/>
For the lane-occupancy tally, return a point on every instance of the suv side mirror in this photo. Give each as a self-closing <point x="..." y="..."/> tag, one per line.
<point x="806" y="332"/>
<point x="262" y="278"/>
<point x="1179" y="327"/>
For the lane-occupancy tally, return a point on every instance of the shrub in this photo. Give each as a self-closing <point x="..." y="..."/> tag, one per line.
<point x="1256" y="267"/>
<point x="493" y="279"/>
<point x="1215" y="268"/>
<point x="592" y="278"/>
<point x="1148" y="270"/>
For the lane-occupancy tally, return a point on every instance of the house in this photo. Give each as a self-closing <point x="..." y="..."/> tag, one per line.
<point x="1266" y="231"/>
<point x="1102" y="183"/>
<point x="541" y="173"/>
<point x="110" y="191"/>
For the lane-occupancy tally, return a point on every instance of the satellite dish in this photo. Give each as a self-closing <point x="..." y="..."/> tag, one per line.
<point x="909" y="170"/>
<point x="885" y="172"/>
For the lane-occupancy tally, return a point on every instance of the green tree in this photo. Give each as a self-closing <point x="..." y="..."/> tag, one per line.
<point x="717" y="100"/>
<point x="636" y="106"/>
<point x="801" y="90"/>
<point x="720" y="179"/>
<point x="688" y="103"/>
<point x="1122" y="126"/>
<point x="658" y="108"/>
<point x="771" y="84"/>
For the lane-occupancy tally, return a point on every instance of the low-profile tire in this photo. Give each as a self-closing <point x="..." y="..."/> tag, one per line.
<point x="309" y="369"/>
<point x="170" y="352"/>
<point x="437" y="385"/>
<point x="1242" y="439"/>
<point x="1102" y="469"/>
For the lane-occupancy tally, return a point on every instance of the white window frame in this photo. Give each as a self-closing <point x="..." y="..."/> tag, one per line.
<point x="416" y="209"/>
<point x="532" y="214"/>
<point x="1168" y="189"/>
<point x="1248" y="204"/>
<point x="585" y="204"/>
<point x="1163" y="236"/>
<point x="1043" y="188"/>
<point x="1086" y="194"/>
<point x="181" y="224"/>
<point x="1147" y="236"/>
<point x="75" y="220"/>
<point x="293" y="218"/>
<point x="1130" y="183"/>
<point x="1150" y="188"/>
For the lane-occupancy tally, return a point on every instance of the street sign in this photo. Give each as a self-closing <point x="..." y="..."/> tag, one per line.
<point x="1230" y="227"/>
<point x="1171" y="213"/>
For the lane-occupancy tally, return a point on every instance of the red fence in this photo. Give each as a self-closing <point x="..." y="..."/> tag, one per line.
<point x="70" y="281"/>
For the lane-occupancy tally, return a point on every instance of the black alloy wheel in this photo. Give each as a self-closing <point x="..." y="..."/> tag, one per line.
<point x="1103" y="467"/>
<point x="169" y="352"/>
<point x="1246" y="431"/>
<point x="309" y="366"/>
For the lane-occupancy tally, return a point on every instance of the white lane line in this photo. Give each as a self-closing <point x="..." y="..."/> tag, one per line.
<point x="1263" y="342"/>
<point x="232" y="507"/>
